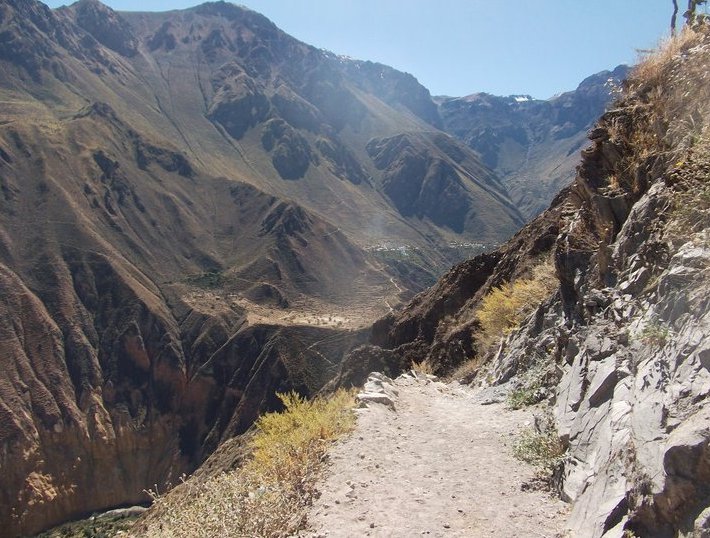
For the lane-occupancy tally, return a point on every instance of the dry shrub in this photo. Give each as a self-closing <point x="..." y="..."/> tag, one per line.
<point x="674" y="83"/>
<point x="541" y="447"/>
<point x="269" y="495"/>
<point x="661" y="128"/>
<point x="662" y="110"/>
<point x="467" y="371"/>
<point x="424" y="367"/>
<point x="652" y="65"/>
<point x="504" y="307"/>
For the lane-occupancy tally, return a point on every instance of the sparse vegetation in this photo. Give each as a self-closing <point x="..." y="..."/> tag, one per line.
<point x="94" y="527"/>
<point x="423" y="367"/>
<point x="664" y="123"/>
<point x="692" y="17"/>
<point x="691" y="205"/>
<point x="506" y="306"/>
<point x="532" y="386"/>
<point x="692" y="210"/>
<point x="541" y="447"/>
<point x="208" y="280"/>
<point x="467" y="371"/>
<point x="655" y="334"/>
<point x="268" y="496"/>
<point x="524" y="396"/>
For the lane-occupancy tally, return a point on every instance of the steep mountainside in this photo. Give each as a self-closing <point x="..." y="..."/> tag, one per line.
<point x="533" y="145"/>
<point x="296" y="122"/>
<point x="188" y="200"/>
<point x="619" y="352"/>
<point x="197" y="211"/>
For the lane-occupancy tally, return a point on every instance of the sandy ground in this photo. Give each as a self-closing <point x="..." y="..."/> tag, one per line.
<point x="440" y="465"/>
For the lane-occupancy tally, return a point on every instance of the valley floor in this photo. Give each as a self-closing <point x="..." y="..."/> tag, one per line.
<point x="439" y="464"/>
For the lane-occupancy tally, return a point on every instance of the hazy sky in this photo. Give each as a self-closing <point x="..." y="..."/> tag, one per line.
<point x="458" y="47"/>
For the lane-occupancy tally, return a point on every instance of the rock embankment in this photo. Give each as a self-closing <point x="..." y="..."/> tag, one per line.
<point x="631" y="352"/>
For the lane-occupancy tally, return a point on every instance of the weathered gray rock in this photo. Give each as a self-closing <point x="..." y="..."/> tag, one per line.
<point x="631" y="399"/>
<point x="701" y="529"/>
<point x="378" y="389"/>
<point x="131" y="511"/>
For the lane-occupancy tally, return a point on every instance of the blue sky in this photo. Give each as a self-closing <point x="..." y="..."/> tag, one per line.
<point x="458" y="47"/>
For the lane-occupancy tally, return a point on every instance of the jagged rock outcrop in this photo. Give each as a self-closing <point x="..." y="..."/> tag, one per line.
<point x="378" y="389"/>
<point x="106" y="26"/>
<point x="627" y="331"/>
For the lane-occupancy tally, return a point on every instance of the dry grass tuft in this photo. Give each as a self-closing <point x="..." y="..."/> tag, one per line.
<point x="467" y="371"/>
<point x="269" y="495"/>
<point x="424" y="367"/>
<point x="669" y="90"/>
<point x="652" y="65"/>
<point x="504" y="307"/>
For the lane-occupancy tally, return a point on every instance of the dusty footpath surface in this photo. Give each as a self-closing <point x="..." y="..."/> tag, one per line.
<point x="439" y="464"/>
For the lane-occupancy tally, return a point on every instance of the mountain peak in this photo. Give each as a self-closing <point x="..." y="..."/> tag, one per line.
<point x="105" y="25"/>
<point x="233" y="12"/>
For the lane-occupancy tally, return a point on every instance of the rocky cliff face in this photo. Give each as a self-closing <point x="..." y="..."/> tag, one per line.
<point x="631" y="402"/>
<point x="620" y="351"/>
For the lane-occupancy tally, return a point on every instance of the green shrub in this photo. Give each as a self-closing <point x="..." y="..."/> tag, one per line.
<point x="523" y="397"/>
<point x="533" y="382"/>
<point x="655" y="334"/>
<point x="541" y="447"/>
<point x="424" y="367"/>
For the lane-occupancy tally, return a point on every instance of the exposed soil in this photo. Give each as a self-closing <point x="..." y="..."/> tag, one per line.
<point x="440" y="465"/>
<point x="303" y="310"/>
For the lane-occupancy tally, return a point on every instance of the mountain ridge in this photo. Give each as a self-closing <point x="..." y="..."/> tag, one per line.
<point x="532" y="144"/>
<point x="168" y="277"/>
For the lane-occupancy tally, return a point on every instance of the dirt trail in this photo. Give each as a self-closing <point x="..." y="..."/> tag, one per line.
<point x="440" y="465"/>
